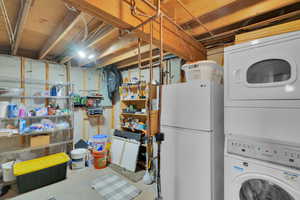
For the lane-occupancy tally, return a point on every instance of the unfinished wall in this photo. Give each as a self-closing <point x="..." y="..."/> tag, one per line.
<point x="216" y="54"/>
<point x="82" y="80"/>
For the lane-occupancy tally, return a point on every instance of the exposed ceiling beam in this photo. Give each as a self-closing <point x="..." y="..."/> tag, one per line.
<point x="225" y="18"/>
<point x="119" y="14"/>
<point x="145" y="58"/>
<point x="7" y="23"/>
<point x="127" y="55"/>
<point x="63" y="28"/>
<point x="116" y="48"/>
<point x="220" y="37"/>
<point x="107" y="30"/>
<point x="196" y="7"/>
<point x="20" y="25"/>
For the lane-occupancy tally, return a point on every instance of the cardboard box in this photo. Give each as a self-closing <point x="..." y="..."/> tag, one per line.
<point x="39" y="140"/>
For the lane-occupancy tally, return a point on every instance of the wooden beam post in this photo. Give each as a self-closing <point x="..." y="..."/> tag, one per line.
<point x="20" y="25"/>
<point x="63" y="28"/>
<point x="119" y="14"/>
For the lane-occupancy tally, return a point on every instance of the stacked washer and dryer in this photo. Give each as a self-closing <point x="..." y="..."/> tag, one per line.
<point x="262" y="119"/>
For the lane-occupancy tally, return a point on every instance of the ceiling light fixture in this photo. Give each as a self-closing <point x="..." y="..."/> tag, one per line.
<point x="81" y="54"/>
<point x="90" y="57"/>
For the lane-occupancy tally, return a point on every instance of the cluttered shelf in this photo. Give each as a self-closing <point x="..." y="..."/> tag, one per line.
<point x="35" y="133"/>
<point x="36" y="97"/>
<point x="34" y="117"/>
<point x="25" y="149"/>
<point x="133" y="129"/>
<point x="133" y="100"/>
<point x="135" y="114"/>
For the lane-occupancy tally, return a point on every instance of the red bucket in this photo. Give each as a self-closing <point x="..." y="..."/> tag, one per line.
<point x="100" y="159"/>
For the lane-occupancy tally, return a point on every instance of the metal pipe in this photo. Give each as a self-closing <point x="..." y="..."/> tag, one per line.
<point x="161" y="49"/>
<point x="139" y="58"/>
<point x="173" y="22"/>
<point x="151" y="53"/>
<point x="195" y="18"/>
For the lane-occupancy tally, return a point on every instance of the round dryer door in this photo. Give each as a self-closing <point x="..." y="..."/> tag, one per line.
<point x="259" y="189"/>
<point x="264" y="187"/>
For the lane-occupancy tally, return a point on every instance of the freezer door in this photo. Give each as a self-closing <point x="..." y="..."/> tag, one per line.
<point x="186" y="164"/>
<point x="187" y="105"/>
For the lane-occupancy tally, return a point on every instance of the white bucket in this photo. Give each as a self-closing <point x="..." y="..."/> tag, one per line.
<point x="78" y="157"/>
<point x="3" y="109"/>
<point x="7" y="170"/>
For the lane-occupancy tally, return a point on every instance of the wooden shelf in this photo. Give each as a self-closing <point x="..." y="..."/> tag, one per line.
<point x="132" y="100"/>
<point x="131" y="128"/>
<point x="135" y="114"/>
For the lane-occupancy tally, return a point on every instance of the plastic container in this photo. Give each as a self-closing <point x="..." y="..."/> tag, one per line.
<point x="13" y="92"/>
<point x="203" y="70"/>
<point x="98" y="142"/>
<point x="78" y="157"/>
<point x="100" y="159"/>
<point x="3" y="108"/>
<point x="36" y="173"/>
<point x="7" y="170"/>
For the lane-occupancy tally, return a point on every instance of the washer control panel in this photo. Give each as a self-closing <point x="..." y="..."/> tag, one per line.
<point x="276" y="153"/>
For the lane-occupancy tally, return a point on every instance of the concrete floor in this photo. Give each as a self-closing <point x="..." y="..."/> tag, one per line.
<point x="77" y="187"/>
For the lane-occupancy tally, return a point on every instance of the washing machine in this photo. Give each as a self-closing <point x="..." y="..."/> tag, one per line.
<point x="249" y="179"/>
<point x="262" y="88"/>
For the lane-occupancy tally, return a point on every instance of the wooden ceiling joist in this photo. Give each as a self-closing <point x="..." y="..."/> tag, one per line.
<point x="223" y="18"/>
<point x="119" y="14"/>
<point x="61" y="31"/>
<point x="116" y="48"/>
<point x="7" y="22"/>
<point x="231" y="33"/>
<point x="20" y="25"/>
<point x="125" y="56"/>
<point x="107" y="29"/>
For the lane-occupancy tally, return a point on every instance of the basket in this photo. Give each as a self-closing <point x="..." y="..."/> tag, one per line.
<point x="203" y="70"/>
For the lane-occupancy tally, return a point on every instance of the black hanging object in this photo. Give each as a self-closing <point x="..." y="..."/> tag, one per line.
<point x="113" y="80"/>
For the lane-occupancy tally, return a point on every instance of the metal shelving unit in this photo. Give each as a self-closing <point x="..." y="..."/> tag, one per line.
<point x="20" y="149"/>
<point x="37" y="132"/>
<point x="34" y="117"/>
<point x="35" y="97"/>
<point x="58" y="136"/>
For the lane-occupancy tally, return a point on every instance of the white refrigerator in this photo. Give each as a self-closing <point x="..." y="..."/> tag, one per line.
<point x="192" y="155"/>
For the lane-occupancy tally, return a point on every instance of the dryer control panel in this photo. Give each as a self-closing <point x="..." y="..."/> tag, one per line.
<point x="276" y="153"/>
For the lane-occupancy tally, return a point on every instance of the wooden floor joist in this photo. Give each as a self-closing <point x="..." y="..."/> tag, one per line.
<point x="127" y="55"/>
<point x="116" y="48"/>
<point x="242" y="14"/>
<point x="63" y="28"/>
<point x="119" y="14"/>
<point x="21" y="21"/>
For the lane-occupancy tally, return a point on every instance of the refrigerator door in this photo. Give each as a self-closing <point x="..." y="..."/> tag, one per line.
<point x="187" y="105"/>
<point x="186" y="164"/>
